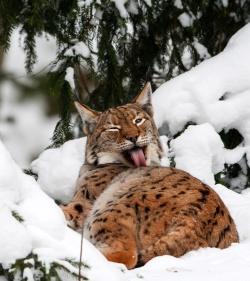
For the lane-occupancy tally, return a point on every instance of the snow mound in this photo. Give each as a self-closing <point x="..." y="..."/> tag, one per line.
<point x="58" y="169"/>
<point x="217" y="91"/>
<point x="18" y="247"/>
<point x="31" y="222"/>
<point x="20" y="193"/>
<point x="199" y="151"/>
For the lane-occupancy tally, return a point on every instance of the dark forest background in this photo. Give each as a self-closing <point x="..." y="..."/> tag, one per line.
<point x="146" y="40"/>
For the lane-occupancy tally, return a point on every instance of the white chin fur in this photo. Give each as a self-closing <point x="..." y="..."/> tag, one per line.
<point x="107" y="158"/>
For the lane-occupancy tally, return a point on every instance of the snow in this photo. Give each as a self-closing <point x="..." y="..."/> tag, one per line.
<point x="18" y="119"/>
<point x="10" y="227"/>
<point x="216" y="92"/>
<point x="149" y="2"/>
<point x="21" y="193"/>
<point x="199" y="151"/>
<point x="44" y="230"/>
<point x="194" y="96"/>
<point x="70" y="77"/>
<point x="46" y="52"/>
<point x="201" y="49"/>
<point x="225" y="3"/>
<point x="58" y="169"/>
<point x="185" y="19"/>
<point x="79" y="48"/>
<point x="178" y="4"/>
<point x="121" y="8"/>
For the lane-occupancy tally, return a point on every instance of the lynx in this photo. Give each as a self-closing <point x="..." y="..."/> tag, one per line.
<point x="130" y="207"/>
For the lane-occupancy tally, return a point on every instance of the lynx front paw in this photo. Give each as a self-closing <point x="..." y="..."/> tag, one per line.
<point x="74" y="215"/>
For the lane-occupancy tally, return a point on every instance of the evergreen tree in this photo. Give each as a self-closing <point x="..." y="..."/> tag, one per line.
<point x="125" y="45"/>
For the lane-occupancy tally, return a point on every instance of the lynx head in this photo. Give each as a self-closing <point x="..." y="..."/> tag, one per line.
<point x="125" y="134"/>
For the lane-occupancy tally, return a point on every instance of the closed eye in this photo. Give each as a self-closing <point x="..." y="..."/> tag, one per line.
<point x="113" y="129"/>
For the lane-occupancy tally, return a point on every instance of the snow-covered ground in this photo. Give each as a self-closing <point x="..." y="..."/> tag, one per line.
<point x="194" y="96"/>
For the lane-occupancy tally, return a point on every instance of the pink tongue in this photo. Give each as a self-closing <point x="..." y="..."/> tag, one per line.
<point x="138" y="157"/>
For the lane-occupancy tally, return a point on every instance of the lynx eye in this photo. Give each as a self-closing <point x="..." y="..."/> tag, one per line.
<point x="113" y="129"/>
<point x="139" y="121"/>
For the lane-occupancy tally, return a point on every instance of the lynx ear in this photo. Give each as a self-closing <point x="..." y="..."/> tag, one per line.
<point x="89" y="117"/>
<point x="144" y="99"/>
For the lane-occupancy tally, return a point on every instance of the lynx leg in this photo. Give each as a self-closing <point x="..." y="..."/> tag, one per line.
<point x="121" y="249"/>
<point x="122" y="253"/>
<point x="180" y="239"/>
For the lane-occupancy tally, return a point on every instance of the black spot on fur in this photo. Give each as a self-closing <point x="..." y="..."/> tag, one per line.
<point x="204" y="192"/>
<point x="101" y="231"/>
<point x="163" y="205"/>
<point x="157" y="196"/>
<point x="78" y="208"/>
<point x="215" y="223"/>
<point x="196" y="205"/>
<point x="182" y="180"/>
<point x="87" y="195"/>
<point x="223" y="234"/>
<point x="217" y="210"/>
<point x="100" y="183"/>
<point x="202" y="200"/>
<point x="181" y="192"/>
<point x="192" y="211"/>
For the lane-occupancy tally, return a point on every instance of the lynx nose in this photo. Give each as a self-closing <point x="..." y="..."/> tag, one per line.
<point x="132" y="139"/>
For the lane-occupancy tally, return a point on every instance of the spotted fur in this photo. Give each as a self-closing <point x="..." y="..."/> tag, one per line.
<point x="134" y="214"/>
